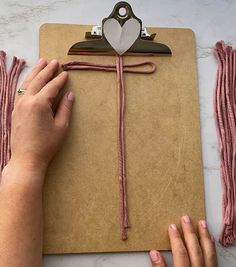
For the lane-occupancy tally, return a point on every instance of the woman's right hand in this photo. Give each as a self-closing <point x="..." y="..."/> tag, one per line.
<point x="193" y="250"/>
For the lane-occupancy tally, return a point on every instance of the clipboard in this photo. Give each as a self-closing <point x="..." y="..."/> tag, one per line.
<point x="163" y="150"/>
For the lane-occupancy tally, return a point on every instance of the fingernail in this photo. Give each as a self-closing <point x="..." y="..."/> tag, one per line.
<point x="64" y="73"/>
<point x="40" y="60"/>
<point x="54" y="61"/>
<point x="154" y="255"/>
<point x="71" y="96"/>
<point x="186" y="219"/>
<point x="173" y="227"/>
<point x="204" y="224"/>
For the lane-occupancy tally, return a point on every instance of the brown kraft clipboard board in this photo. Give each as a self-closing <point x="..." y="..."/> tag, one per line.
<point x="163" y="149"/>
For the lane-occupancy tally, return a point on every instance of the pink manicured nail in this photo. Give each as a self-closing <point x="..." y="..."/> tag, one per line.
<point x="154" y="255"/>
<point x="186" y="219"/>
<point x="204" y="224"/>
<point x="71" y="96"/>
<point x="53" y="61"/>
<point x="173" y="227"/>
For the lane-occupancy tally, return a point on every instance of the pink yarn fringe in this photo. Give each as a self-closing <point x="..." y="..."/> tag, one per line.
<point x="8" y="83"/>
<point x="225" y="118"/>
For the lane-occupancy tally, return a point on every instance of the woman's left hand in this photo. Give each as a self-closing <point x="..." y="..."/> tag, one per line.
<point x="37" y="131"/>
<point x="37" y="134"/>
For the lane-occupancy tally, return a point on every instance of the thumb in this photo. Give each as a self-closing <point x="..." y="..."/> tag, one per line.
<point x="157" y="259"/>
<point x="62" y="116"/>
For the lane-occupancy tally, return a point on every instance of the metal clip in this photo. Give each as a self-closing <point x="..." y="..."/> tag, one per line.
<point x="143" y="44"/>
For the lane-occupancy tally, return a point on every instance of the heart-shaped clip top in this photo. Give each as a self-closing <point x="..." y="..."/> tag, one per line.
<point x="122" y="28"/>
<point x="121" y="38"/>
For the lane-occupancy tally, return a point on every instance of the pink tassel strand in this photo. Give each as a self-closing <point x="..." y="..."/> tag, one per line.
<point x="8" y="83"/>
<point x="225" y="118"/>
<point x="120" y="68"/>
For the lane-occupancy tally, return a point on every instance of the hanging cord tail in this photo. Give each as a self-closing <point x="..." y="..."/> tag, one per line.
<point x="119" y="68"/>
<point x="121" y="147"/>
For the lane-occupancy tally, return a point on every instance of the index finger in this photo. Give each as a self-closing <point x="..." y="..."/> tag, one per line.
<point x="52" y="88"/>
<point x="207" y="244"/>
<point x="192" y="243"/>
<point x="180" y="254"/>
<point x="43" y="77"/>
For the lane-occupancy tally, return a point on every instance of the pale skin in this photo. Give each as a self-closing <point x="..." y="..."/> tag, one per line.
<point x="21" y="181"/>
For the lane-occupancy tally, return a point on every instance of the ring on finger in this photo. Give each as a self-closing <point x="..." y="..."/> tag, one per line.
<point x="21" y="91"/>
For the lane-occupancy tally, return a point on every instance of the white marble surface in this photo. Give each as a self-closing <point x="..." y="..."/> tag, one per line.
<point x="211" y="20"/>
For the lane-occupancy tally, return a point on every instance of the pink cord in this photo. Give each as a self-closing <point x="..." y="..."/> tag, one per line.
<point x="8" y="83"/>
<point x="120" y="68"/>
<point x="225" y="117"/>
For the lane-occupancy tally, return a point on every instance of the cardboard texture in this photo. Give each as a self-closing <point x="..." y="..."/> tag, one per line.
<point x="163" y="151"/>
